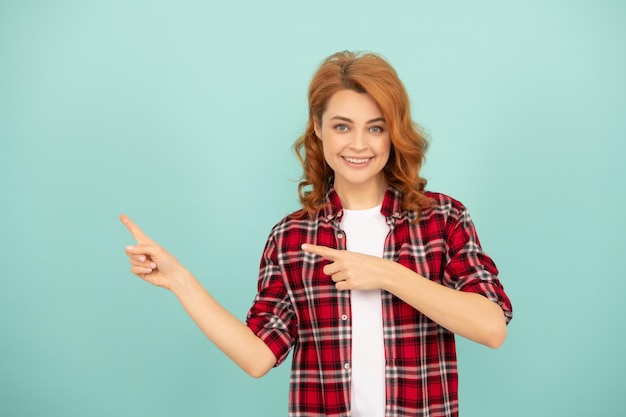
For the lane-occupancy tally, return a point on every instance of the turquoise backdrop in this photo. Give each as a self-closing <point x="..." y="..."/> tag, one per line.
<point x="181" y="114"/>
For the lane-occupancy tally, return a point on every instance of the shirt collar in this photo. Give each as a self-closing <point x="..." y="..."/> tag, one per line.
<point x="391" y="207"/>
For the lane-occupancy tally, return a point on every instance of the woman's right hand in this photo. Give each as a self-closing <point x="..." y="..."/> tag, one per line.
<point x="154" y="264"/>
<point x="149" y="261"/>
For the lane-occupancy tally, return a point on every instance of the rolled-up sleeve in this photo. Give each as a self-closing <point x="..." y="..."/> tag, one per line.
<point x="271" y="316"/>
<point x="469" y="269"/>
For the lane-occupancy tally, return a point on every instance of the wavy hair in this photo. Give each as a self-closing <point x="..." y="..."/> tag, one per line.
<point x="364" y="73"/>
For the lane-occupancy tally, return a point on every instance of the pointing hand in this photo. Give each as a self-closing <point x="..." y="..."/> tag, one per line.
<point x="352" y="270"/>
<point x="148" y="260"/>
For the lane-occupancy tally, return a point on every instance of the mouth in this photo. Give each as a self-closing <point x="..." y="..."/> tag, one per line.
<point x="356" y="160"/>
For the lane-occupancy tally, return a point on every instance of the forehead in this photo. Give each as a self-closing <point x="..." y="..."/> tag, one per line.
<point x="353" y="105"/>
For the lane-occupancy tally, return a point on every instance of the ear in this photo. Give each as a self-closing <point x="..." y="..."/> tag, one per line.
<point x="317" y="127"/>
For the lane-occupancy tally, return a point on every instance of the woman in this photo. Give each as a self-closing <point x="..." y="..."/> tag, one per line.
<point x="371" y="279"/>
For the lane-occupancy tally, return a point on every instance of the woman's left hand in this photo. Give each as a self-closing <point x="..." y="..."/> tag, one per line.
<point x="352" y="270"/>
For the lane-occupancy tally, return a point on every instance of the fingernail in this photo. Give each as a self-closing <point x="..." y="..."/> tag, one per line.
<point x="130" y="247"/>
<point x="152" y="265"/>
<point x="142" y="258"/>
<point x="304" y="246"/>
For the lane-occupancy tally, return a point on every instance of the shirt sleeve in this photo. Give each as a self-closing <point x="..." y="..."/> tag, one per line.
<point x="271" y="316"/>
<point x="470" y="269"/>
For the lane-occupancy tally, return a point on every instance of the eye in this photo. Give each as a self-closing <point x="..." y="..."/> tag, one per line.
<point x="376" y="129"/>
<point x="341" y="128"/>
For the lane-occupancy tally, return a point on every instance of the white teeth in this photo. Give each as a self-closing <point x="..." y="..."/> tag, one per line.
<point x="356" y="160"/>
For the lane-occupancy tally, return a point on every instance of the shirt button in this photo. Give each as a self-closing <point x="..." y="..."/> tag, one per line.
<point x="330" y="216"/>
<point x="344" y="317"/>
<point x="346" y="366"/>
<point x="339" y="235"/>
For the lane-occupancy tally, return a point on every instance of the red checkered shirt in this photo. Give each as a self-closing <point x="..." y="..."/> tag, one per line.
<point x="298" y="306"/>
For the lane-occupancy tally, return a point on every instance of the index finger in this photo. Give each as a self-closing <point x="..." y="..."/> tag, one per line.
<point x="324" y="251"/>
<point x="134" y="230"/>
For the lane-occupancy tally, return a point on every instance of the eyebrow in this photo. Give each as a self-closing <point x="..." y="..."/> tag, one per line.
<point x="346" y="119"/>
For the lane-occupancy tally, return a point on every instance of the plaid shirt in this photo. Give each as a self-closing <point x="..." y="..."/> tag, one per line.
<point x="298" y="306"/>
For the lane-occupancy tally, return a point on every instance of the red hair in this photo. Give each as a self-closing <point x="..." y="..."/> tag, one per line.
<point x="364" y="73"/>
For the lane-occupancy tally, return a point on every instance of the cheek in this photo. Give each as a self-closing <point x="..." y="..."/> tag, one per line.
<point x="386" y="149"/>
<point x="328" y="153"/>
<point x="385" y="146"/>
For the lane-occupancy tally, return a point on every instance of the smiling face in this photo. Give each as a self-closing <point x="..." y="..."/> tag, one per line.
<point x="356" y="145"/>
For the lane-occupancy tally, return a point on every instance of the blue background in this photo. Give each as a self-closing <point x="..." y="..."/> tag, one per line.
<point x="182" y="115"/>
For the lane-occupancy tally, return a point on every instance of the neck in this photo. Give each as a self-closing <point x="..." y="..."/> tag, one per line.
<point x="361" y="197"/>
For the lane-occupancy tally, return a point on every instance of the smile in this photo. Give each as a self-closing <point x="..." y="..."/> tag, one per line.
<point x="356" y="160"/>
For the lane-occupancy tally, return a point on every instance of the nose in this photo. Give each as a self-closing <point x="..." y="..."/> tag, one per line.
<point x="358" y="142"/>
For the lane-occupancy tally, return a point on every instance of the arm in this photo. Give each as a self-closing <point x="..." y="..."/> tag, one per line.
<point x="154" y="264"/>
<point x="227" y="332"/>
<point x="467" y="314"/>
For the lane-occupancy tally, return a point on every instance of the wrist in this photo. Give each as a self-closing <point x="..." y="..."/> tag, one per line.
<point x="389" y="276"/>
<point x="180" y="282"/>
<point x="397" y="277"/>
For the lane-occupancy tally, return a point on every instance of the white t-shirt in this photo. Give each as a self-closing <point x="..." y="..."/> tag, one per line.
<point x="366" y="231"/>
